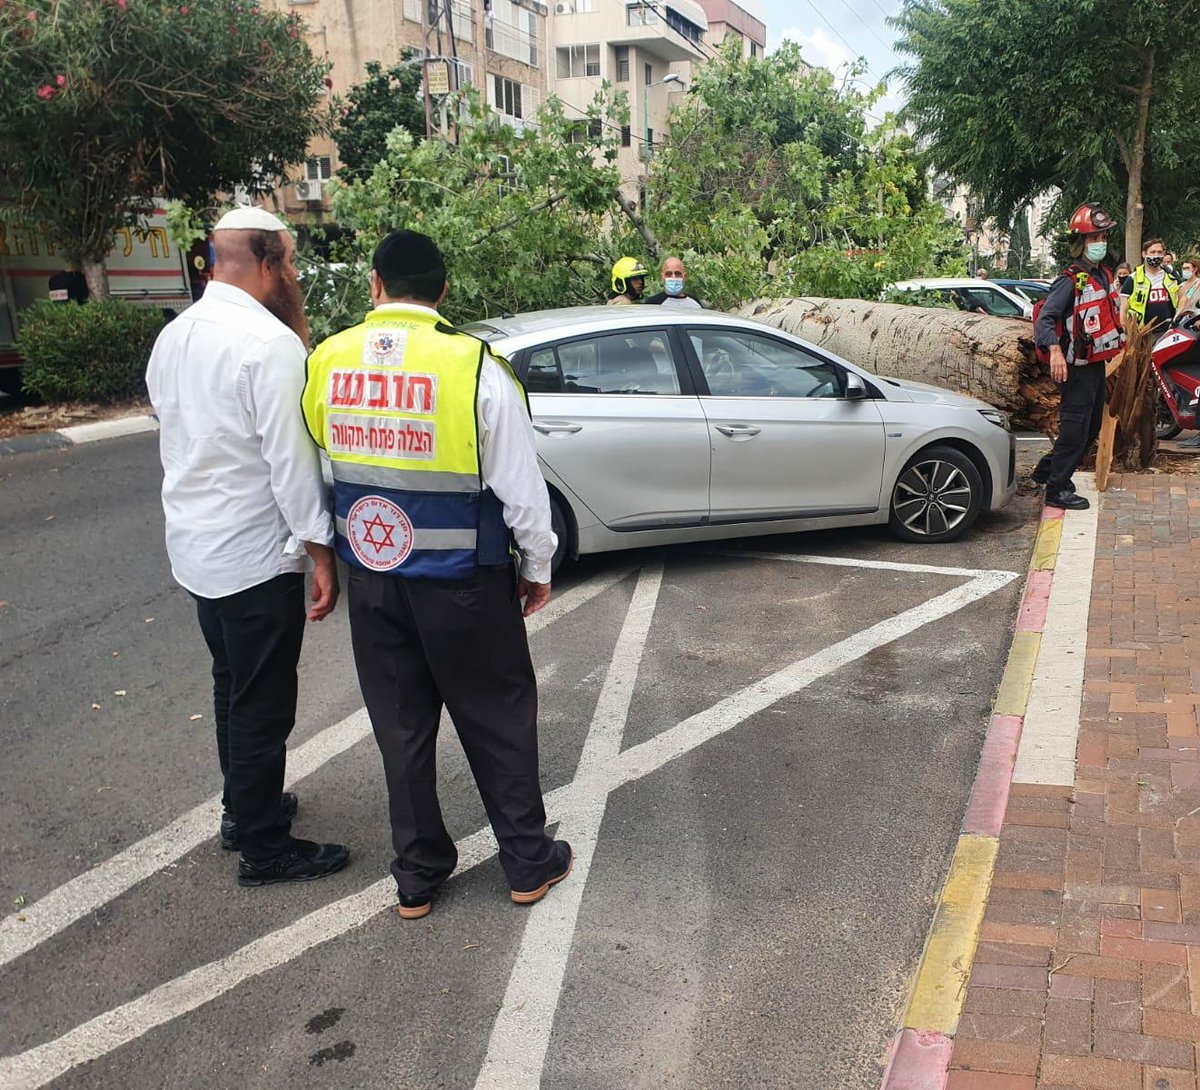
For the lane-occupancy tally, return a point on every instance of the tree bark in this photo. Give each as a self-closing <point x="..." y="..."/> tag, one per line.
<point x="96" y="274"/>
<point x="989" y="358"/>
<point x="635" y="217"/>
<point x="1135" y="162"/>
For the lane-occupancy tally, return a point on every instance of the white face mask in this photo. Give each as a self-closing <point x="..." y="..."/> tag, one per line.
<point x="1188" y="273"/>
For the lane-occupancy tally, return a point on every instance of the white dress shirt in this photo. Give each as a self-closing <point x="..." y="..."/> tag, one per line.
<point x="508" y="462"/>
<point x="242" y="488"/>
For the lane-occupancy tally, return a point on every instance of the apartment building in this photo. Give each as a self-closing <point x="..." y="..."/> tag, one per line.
<point x="746" y="20"/>
<point x="644" y="47"/>
<point x="497" y="46"/>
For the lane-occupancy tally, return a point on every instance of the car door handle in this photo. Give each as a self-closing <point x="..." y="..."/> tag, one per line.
<point x="737" y="431"/>
<point x="553" y="427"/>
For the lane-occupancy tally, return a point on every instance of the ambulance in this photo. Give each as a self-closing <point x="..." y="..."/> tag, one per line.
<point x="144" y="267"/>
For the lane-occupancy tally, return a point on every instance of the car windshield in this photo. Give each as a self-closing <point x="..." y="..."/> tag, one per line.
<point x="1032" y="292"/>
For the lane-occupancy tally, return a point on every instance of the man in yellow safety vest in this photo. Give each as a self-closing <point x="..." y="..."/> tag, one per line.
<point x="435" y="479"/>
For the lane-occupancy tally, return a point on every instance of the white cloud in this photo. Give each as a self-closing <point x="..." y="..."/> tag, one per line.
<point x="819" y="48"/>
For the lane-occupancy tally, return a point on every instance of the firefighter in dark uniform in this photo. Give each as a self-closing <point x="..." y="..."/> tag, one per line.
<point x="1079" y="325"/>
<point x="435" y="480"/>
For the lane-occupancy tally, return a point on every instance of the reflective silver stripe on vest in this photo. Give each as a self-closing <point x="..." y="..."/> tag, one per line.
<point x="407" y="480"/>
<point x="436" y="540"/>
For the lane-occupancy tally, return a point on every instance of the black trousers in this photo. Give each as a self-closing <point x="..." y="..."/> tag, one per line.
<point x="255" y="637"/>
<point x="1080" y="412"/>
<point x="420" y="644"/>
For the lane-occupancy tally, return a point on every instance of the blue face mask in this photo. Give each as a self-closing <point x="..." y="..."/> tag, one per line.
<point x="1096" y="251"/>
<point x="673" y="285"/>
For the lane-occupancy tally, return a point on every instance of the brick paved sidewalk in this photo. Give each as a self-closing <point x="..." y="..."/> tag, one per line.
<point x="1087" y="973"/>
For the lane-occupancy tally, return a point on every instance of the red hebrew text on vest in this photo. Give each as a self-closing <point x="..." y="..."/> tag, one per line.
<point x="394" y="391"/>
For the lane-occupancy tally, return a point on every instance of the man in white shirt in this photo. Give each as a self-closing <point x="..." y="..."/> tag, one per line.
<point x="245" y="509"/>
<point x="435" y="475"/>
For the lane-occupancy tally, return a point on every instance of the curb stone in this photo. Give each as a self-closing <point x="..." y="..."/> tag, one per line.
<point x="78" y="434"/>
<point x="919" y="1054"/>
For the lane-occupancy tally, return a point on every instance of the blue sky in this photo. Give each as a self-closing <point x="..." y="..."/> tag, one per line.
<point x="833" y="32"/>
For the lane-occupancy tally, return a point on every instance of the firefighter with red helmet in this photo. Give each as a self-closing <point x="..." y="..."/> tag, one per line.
<point x="1079" y="328"/>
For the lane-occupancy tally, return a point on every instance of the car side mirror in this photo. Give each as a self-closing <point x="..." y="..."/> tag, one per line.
<point x="856" y="389"/>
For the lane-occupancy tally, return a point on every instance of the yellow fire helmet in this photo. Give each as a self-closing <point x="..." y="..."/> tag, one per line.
<point x="625" y="270"/>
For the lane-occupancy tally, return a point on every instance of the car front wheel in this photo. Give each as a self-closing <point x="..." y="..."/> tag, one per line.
<point x="937" y="497"/>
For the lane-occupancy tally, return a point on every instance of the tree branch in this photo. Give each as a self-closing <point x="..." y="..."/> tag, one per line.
<point x="550" y="202"/>
<point x="634" y="216"/>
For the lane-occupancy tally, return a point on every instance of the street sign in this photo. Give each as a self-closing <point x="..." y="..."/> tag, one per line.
<point x="437" y="78"/>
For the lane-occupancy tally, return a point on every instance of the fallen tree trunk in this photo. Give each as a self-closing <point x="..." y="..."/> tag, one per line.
<point x="989" y="358"/>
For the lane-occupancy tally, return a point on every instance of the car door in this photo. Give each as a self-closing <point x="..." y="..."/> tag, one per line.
<point x="617" y="419"/>
<point x="785" y="442"/>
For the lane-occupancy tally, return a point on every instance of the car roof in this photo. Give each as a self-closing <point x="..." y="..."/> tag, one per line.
<point x="567" y="321"/>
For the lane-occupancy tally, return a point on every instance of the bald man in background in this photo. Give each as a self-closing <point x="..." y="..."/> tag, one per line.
<point x="246" y="510"/>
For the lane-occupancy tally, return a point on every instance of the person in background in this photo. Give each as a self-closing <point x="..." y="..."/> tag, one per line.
<point x="68" y="286"/>
<point x="245" y="510"/>
<point x="1189" y="286"/>
<point x="1123" y="270"/>
<point x="628" y="281"/>
<point x="1169" y="264"/>
<point x="1151" y="293"/>
<point x="674" y="293"/>
<point x="981" y="273"/>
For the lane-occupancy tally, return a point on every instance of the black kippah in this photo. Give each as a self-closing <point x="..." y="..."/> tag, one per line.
<point x="407" y="253"/>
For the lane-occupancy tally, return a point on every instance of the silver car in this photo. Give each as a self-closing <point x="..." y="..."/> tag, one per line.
<point x="658" y="425"/>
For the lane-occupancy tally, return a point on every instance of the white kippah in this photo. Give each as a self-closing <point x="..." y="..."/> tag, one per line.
<point x="250" y="219"/>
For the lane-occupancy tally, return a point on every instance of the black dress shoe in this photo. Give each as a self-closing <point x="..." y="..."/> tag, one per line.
<point x="300" y="861"/>
<point x="229" y="834"/>
<point x="563" y="858"/>
<point x="413" y="908"/>
<point x="1067" y="500"/>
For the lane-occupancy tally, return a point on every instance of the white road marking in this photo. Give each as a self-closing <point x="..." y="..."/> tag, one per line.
<point x="109" y="1031"/>
<point x="1051" y="730"/>
<point x="855" y="562"/>
<point x="521" y="1032"/>
<point x="108" y="880"/>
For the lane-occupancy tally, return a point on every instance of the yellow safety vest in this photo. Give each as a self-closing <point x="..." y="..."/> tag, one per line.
<point x="1140" y="295"/>
<point x="392" y="401"/>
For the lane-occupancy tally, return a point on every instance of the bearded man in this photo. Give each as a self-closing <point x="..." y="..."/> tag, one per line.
<point x="245" y="510"/>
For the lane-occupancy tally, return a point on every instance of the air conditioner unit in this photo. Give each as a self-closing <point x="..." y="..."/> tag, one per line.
<point x="564" y="7"/>
<point x="308" y="190"/>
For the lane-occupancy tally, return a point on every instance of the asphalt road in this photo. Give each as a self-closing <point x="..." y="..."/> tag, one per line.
<point x="764" y="761"/>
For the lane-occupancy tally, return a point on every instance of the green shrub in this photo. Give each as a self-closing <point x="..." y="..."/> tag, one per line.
<point x="94" y="352"/>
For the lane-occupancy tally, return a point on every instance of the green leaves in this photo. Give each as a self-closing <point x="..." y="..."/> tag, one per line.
<point x="111" y="103"/>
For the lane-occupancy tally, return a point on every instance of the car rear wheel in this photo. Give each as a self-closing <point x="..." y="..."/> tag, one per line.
<point x="937" y="497"/>
<point x="561" y="528"/>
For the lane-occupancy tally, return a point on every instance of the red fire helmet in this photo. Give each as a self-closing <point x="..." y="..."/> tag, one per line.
<point x="1091" y="219"/>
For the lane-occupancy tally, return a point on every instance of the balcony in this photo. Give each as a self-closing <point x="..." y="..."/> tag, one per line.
<point x="663" y="30"/>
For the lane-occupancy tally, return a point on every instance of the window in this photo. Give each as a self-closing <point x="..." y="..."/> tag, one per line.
<point x="648" y="74"/>
<point x="584" y="131"/>
<point x="506" y="174"/>
<point x="464" y="74"/>
<point x="513" y="32"/>
<point x="619" y="363"/>
<point x="754" y="49"/>
<point x="319" y="169"/>
<point x="987" y="301"/>
<point x="626" y="136"/>
<point x="507" y="96"/>
<point x="686" y="27"/>
<point x="583" y="7"/>
<point x="737" y="364"/>
<point x="641" y="15"/>
<point x="578" y="60"/>
<point x="543" y="375"/>
<point x="622" y="64"/>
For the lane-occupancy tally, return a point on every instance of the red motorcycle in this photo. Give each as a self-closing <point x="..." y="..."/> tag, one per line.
<point x="1176" y="363"/>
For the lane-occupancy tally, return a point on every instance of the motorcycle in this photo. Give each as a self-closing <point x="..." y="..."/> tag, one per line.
<point x="1176" y="363"/>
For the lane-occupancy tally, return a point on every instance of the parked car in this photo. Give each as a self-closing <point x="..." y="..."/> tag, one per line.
<point x="969" y="293"/>
<point x="1033" y="290"/>
<point x="657" y="426"/>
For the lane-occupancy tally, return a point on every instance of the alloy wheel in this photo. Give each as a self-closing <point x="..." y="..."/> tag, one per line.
<point x="932" y="497"/>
